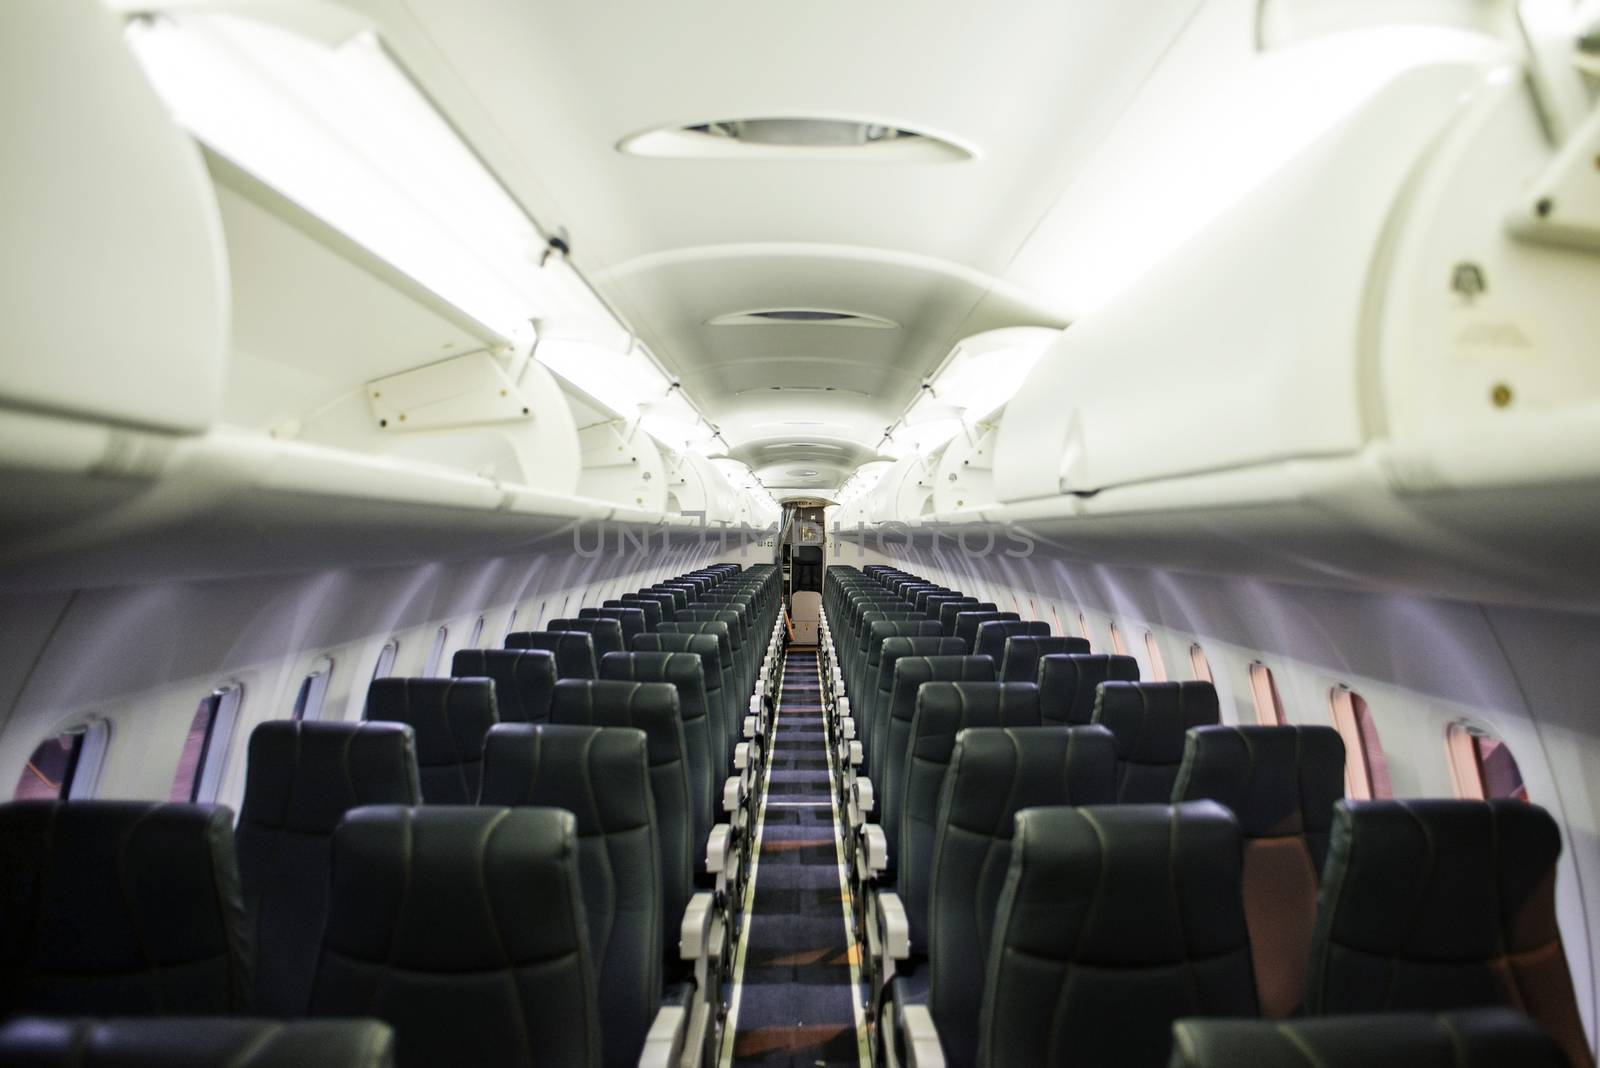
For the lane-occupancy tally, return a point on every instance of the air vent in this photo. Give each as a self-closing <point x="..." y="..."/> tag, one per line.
<point x="804" y="472"/>
<point x="802" y="317"/>
<point x="796" y="136"/>
<point x="758" y="390"/>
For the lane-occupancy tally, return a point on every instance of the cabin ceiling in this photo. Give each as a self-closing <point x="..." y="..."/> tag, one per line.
<point x="547" y="90"/>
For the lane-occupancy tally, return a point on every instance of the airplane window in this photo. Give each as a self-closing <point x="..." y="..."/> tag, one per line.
<point x="1366" y="769"/>
<point x="205" y="749"/>
<point x="1158" y="668"/>
<point x="1118" y="646"/>
<point x="1482" y="765"/>
<point x="430" y="667"/>
<point x="313" y="691"/>
<point x="1264" y="692"/>
<point x="477" y="635"/>
<point x="1199" y="666"/>
<point x="66" y="766"/>
<point x="385" y="665"/>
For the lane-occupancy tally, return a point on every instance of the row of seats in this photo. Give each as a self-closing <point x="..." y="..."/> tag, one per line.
<point x="499" y="867"/>
<point x="1066" y="865"/>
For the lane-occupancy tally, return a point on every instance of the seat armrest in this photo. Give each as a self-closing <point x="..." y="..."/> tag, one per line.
<point x="921" y="1038"/>
<point x="719" y="846"/>
<point x="857" y="754"/>
<point x="847" y="728"/>
<point x="751" y="726"/>
<point x="741" y="756"/>
<point x="694" y="933"/>
<point x="861" y="799"/>
<point x="894" y="929"/>
<point x="874" y="849"/>
<point x="733" y="793"/>
<point x="664" y="1042"/>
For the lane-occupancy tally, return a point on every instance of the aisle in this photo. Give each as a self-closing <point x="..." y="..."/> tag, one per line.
<point x="796" y="998"/>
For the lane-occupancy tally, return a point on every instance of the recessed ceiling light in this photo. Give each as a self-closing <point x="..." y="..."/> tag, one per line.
<point x="805" y="472"/>
<point x="802" y="317"/>
<point x="785" y="137"/>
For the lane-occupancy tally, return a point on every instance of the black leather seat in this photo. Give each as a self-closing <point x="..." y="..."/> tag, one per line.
<point x="994" y="774"/>
<point x="685" y="671"/>
<point x="121" y="908"/>
<point x="653" y="708"/>
<point x="523" y="680"/>
<point x="724" y="726"/>
<point x="1433" y="905"/>
<point x="991" y="636"/>
<point x="601" y="776"/>
<point x="743" y="674"/>
<point x="604" y="631"/>
<point x="1067" y="684"/>
<point x="680" y="597"/>
<point x="949" y="610"/>
<point x="1019" y="662"/>
<point x="463" y="929"/>
<point x="874" y="710"/>
<point x="651" y="609"/>
<point x="450" y="718"/>
<point x="934" y="605"/>
<point x="1149" y="721"/>
<point x="968" y="622"/>
<point x="300" y="780"/>
<point x="1115" y="921"/>
<point x="574" y="650"/>
<point x="733" y="698"/>
<point x="910" y="674"/>
<point x="195" y="1042"/>
<point x="665" y="604"/>
<point x="1281" y="784"/>
<point x="943" y="711"/>
<point x="1478" y="1038"/>
<point x="857" y="679"/>
<point x="630" y="621"/>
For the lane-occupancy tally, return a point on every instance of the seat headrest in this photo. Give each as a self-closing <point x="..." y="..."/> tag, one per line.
<point x="716" y="628"/>
<point x="651" y="609"/>
<point x="574" y="650"/>
<point x="968" y="621"/>
<point x="705" y="646"/>
<point x="196" y="1042"/>
<point x="665" y="604"/>
<point x="892" y="649"/>
<point x="1147" y="894"/>
<point x="450" y="718"/>
<point x="724" y="617"/>
<point x="523" y="679"/>
<point x="1468" y="1038"/>
<point x="911" y="672"/>
<point x="1020" y="656"/>
<point x="684" y="670"/>
<point x="680" y="596"/>
<point x="1150" y="719"/>
<point x="1067" y="683"/>
<point x="949" y="610"/>
<point x="303" y="777"/>
<point x="991" y="635"/>
<point x="995" y="772"/>
<point x="97" y="892"/>
<point x="1277" y="781"/>
<point x="945" y="708"/>
<point x="650" y="706"/>
<point x="886" y="630"/>
<point x="934" y="603"/>
<point x="631" y="620"/>
<point x="433" y="908"/>
<point x="606" y="632"/>
<point x="599" y="774"/>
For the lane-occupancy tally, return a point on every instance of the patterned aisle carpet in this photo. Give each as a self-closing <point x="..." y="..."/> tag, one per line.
<point x="797" y="1003"/>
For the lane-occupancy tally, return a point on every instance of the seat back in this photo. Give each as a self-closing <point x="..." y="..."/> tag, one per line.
<point x="944" y="710"/>
<point x="950" y="609"/>
<point x="1068" y="683"/>
<point x="1281" y="784"/>
<point x="1476" y="1038"/>
<point x="605" y="631"/>
<point x="934" y="604"/>
<point x="121" y="908"/>
<point x="968" y="622"/>
<point x="1019" y="661"/>
<point x="300" y="780"/>
<point x="450" y="718"/>
<point x="651" y="609"/>
<point x="653" y="708"/>
<point x="1432" y="905"/>
<point x="910" y="673"/>
<point x="630" y="621"/>
<point x="995" y="772"/>
<point x="990" y="635"/>
<point x="723" y="728"/>
<point x="872" y="716"/>
<point x="573" y="650"/>
<point x="686" y="673"/>
<point x="463" y="928"/>
<point x="523" y="680"/>
<point x="195" y="1042"/>
<point x="665" y="604"/>
<point x="1149" y="720"/>
<point x="601" y="776"/>
<point x="680" y="596"/>
<point x="1114" y="922"/>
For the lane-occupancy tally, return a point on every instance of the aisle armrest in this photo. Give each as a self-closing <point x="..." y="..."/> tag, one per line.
<point x="664" y="1042"/>
<point x="921" y="1038"/>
